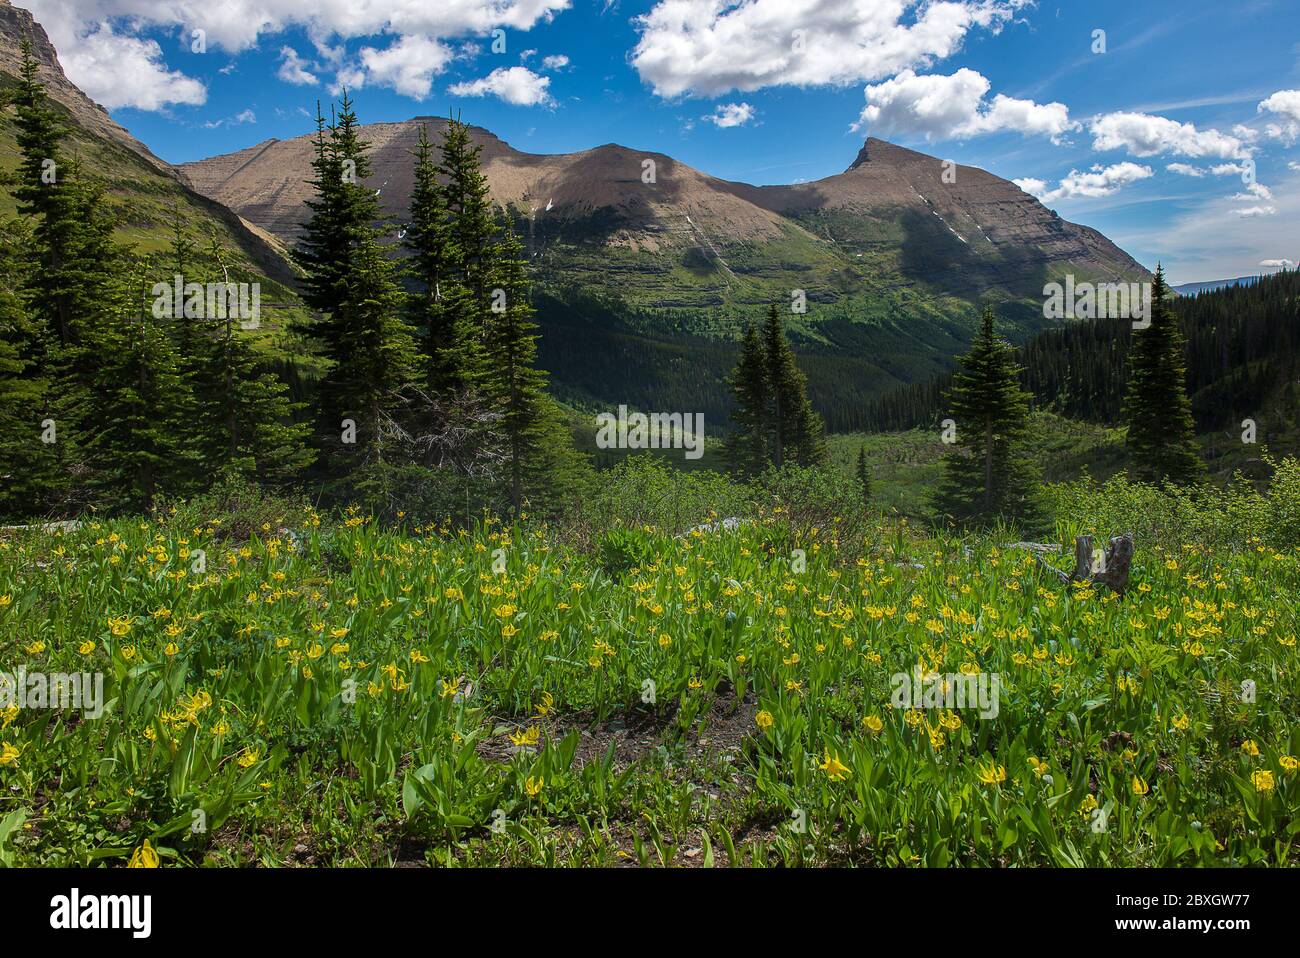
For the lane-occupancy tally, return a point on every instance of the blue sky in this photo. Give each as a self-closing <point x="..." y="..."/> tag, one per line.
<point x="1175" y="131"/>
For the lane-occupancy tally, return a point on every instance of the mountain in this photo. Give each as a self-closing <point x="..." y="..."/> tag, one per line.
<point x="649" y="267"/>
<point x="142" y="187"/>
<point x="1191" y="289"/>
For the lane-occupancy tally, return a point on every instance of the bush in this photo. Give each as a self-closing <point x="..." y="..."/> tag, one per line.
<point x="1227" y="518"/>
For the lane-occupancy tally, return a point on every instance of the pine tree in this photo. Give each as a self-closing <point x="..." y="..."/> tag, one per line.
<point x="748" y="446"/>
<point x="433" y="261"/>
<point x="249" y="423"/>
<point x="864" y="474"/>
<point x="513" y="383"/>
<point x="351" y="282"/>
<point x="795" y="430"/>
<point x="993" y="477"/>
<point x="136" y="439"/>
<point x="1161" y="432"/>
<point x="29" y="481"/>
<point x="473" y="238"/>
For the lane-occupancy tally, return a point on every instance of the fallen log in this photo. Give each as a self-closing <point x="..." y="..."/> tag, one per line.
<point x="1110" y="569"/>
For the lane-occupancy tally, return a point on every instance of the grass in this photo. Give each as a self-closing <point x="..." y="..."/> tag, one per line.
<point x="324" y="691"/>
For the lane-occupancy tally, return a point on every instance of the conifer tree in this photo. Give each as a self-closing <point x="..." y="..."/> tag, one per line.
<point x="473" y="237"/>
<point x="864" y="474"/>
<point x="515" y="387"/>
<point x="748" y="446"/>
<point x="248" y="421"/>
<point x="433" y="261"/>
<point x="989" y="476"/>
<point x="29" y="481"/>
<point x="1161" y="432"/>
<point x="351" y="282"/>
<point x="137" y="433"/>
<point x="796" y="431"/>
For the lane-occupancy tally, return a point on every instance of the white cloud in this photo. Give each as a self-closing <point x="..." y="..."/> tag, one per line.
<point x="1254" y="191"/>
<point x="710" y="47"/>
<point x="101" y="49"/>
<point x="1253" y="211"/>
<point x="557" y="62"/>
<point x="240" y="118"/>
<point x="730" y="114"/>
<point x="1143" y="135"/>
<point x="408" y="65"/>
<point x="117" y="70"/>
<point x="1286" y="105"/>
<point x="954" y="107"/>
<point x="1100" y="181"/>
<point x="1293" y="165"/>
<point x="1183" y="169"/>
<point x="517" y="85"/>
<point x="1278" y="264"/>
<point x="293" y="69"/>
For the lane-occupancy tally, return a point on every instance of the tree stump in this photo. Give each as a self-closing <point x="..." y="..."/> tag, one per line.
<point x="1110" y="569"/>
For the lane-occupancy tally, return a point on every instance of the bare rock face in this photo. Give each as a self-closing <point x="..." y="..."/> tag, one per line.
<point x="15" y="24"/>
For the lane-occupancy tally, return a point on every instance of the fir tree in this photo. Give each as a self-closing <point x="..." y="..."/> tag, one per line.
<point x="433" y="261"/>
<point x="748" y="446"/>
<point x="1161" y="433"/>
<point x="351" y="282"/>
<point x="513" y="384"/>
<point x="864" y="474"/>
<point x="473" y="237"/>
<point x="992" y="477"/>
<point x="795" y="430"/>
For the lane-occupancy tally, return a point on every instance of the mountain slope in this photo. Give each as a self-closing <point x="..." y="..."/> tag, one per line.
<point x="144" y="187"/>
<point x="689" y="239"/>
<point x="648" y="268"/>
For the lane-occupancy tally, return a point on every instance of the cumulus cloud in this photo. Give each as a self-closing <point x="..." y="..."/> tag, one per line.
<point x="1143" y="135"/>
<point x="1285" y="104"/>
<point x="102" y="51"/>
<point x="710" y="47"/>
<point x="408" y="65"/>
<point x="1254" y="191"/>
<point x="1253" y="211"/>
<point x="1099" y="181"/>
<point x="954" y="107"/>
<point x="730" y="114"/>
<point x="557" y="62"/>
<point x="517" y="85"/>
<point x="117" y="70"/>
<point x="1183" y="169"/>
<point x="1278" y="263"/>
<point x="293" y="69"/>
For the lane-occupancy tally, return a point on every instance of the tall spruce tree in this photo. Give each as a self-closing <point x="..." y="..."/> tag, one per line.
<point x="473" y="237"/>
<point x="432" y="265"/>
<point x="514" y="385"/>
<point x="1161" y="432"/>
<point x="989" y="476"/>
<point x="350" y="282"/>
<point x="795" y="430"/>
<point x="863" y="471"/>
<point x="748" y="447"/>
<point x="29" y="480"/>
<point x="250" y="425"/>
